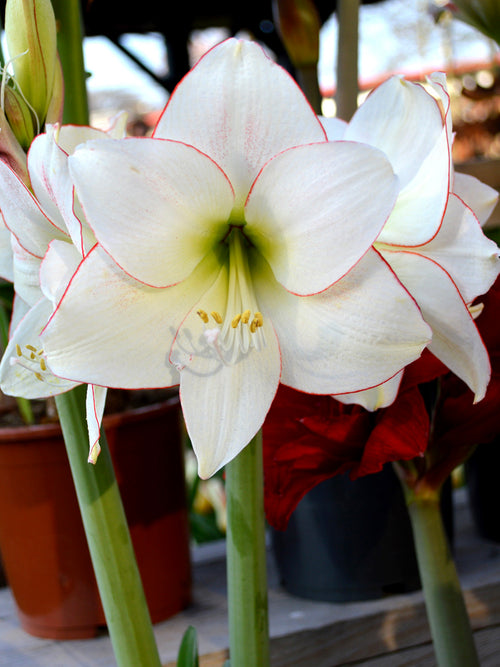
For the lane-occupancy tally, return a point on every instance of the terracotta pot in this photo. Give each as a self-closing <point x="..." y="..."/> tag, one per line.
<point x="42" y="539"/>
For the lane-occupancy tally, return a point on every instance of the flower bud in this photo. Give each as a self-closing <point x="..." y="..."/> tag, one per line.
<point x="298" y="25"/>
<point x="30" y="29"/>
<point x="11" y="151"/>
<point x="19" y="116"/>
<point x="482" y="14"/>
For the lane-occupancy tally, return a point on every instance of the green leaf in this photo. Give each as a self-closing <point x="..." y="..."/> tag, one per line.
<point x="188" y="650"/>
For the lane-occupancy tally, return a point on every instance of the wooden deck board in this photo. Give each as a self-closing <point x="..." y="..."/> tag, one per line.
<point x="381" y="633"/>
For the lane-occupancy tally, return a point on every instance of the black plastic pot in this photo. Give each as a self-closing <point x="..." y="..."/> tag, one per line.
<point x="482" y="476"/>
<point x="350" y="540"/>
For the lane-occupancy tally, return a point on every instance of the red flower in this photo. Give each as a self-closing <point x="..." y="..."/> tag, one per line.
<point x="308" y="439"/>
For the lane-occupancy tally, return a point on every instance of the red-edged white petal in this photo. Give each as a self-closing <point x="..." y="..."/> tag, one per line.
<point x="23" y="216"/>
<point x="52" y="184"/>
<point x="113" y="331"/>
<point x="26" y="269"/>
<point x="374" y="399"/>
<point x="353" y="336"/>
<point x="401" y="119"/>
<point x="421" y="204"/>
<point x="95" y="403"/>
<point x="240" y="108"/>
<point x="463" y="251"/>
<point x="455" y="338"/>
<point x="156" y="206"/>
<point x="225" y="397"/>
<point x="23" y="370"/>
<point x="57" y="268"/>
<point x="477" y="195"/>
<point x="314" y="211"/>
<point x="335" y="128"/>
<point x="6" y="259"/>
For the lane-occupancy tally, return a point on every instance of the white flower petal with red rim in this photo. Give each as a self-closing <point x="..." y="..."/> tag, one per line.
<point x="23" y="215"/>
<point x="241" y="109"/>
<point x="353" y="336"/>
<point x="6" y="259"/>
<point x="463" y="251"/>
<point x="170" y="202"/>
<point x="335" y="128"/>
<point x="455" y="338"/>
<point x="229" y="377"/>
<point x="401" y="119"/>
<point x="132" y="351"/>
<point x="420" y="206"/>
<point x="315" y="210"/>
<point x="26" y="274"/>
<point x="95" y="403"/>
<point x="481" y="198"/>
<point x="373" y="399"/>
<point x="57" y="268"/>
<point x="23" y="370"/>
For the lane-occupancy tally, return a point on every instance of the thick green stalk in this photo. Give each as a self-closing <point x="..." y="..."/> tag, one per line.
<point x="446" y="611"/>
<point x="347" y="58"/>
<point x="70" y="48"/>
<point x="109" y="540"/>
<point x="246" y="559"/>
<point x="104" y="520"/>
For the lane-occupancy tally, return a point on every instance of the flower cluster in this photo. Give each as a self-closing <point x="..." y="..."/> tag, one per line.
<point x="248" y="243"/>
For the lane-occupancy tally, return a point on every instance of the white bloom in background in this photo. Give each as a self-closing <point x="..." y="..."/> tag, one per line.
<point x="49" y="237"/>
<point x="234" y="253"/>
<point x="433" y="238"/>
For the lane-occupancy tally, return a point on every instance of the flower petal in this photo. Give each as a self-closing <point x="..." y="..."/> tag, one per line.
<point x="456" y="340"/>
<point x="375" y="398"/>
<point x="420" y="207"/>
<point x="224" y="403"/>
<point x="23" y="216"/>
<point x="133" y="352"/>
<point x="353" y="336"/>
<point x="247" y="110"/>
<point x="463" y="251"/>
<point x="95" y="403"/>
<point x="22" y="370"/>
<point x="51" y="181"/>
<point x="26" y="274"/>
<point x="170" y="202"/>
<point x="477" y="195"/>
<point x="335" y="128"/>
<point x="307" y="201"/>
<point x="57" y="268"/>
<point x="401" y="119"/>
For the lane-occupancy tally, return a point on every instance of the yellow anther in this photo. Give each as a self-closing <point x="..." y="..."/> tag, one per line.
<point x="203" y="315"/>
<point x="253" y="326"/>
<point x="236" y="320"/>
<point x="217" y="316"/>
<point x="245" y="317"/>
<point x="32" y="355"/>
<point x="258" y="319"/>
<point x="38" y="376"/>
<point x="43" y="365"/>
<point x="31" y="348"/>
<point x="19" y="351"/>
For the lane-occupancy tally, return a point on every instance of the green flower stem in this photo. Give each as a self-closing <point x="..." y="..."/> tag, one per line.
<point x="347" y="58"/>
<point x="70" y="48"/>
<point x="246" y="559"/>
<point x="108" y="537"/>
<point x="448" y="619"/>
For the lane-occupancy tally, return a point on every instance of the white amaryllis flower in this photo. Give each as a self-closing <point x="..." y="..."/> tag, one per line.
<point x="49" y="238"/>
<point x="243" y="240"/>
<point x="433" y="238"/>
